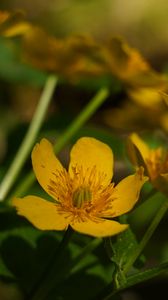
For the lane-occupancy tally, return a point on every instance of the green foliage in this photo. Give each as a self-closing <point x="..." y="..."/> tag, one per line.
<point x="120" y="250"/>
<point x="13" y="70"/>
<point x="25" y="253"/>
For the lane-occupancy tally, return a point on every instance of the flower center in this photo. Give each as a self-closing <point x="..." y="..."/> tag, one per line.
<point x="80" y="196"/>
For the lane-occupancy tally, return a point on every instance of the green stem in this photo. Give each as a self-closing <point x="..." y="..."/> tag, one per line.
<point x="82" y="118"/>
<point x="71" y="130"/>
<point x="132" y="280"/>
<point x="23" y="186"/>
<point x="143" y="276"/>
<point x="29" y="139"/>
<point x="152" y="227"/>
<point x="47" y="278"/>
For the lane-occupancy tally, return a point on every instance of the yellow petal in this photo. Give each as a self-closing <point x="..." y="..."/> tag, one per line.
<point x="140" y="145"/>
<point x="12" y="24"/>
<point x="46" y="165"/>
<point x="89" y="153"/>
<point x="126" y="193"/>
<point x="138" y="151"/>
<point x="41" y="213"/>
<point x="125" y="61"/>
<point x="147" y="97"/>
<point x="99" y="227"/>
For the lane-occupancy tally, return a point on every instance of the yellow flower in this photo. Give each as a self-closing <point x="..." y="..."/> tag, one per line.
<point x="129" y="117"/>
<point x="148" y="97"/>
<point x="13" y="23"/>
<point x="78" y="56"/>
<point x="155" y="161"/>
<point x="84" y="196"/>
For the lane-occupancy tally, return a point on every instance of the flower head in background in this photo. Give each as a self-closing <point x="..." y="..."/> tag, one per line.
<point x="84" y="196"/>
<point x="155" y="161"/>
<point x="76" y="57"/>
<point x="13" y="23"/>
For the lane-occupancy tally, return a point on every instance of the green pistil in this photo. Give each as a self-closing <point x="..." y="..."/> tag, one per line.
<point x="81" y="196"/>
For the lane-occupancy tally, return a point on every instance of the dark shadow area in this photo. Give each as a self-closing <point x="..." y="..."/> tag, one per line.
<point x="28" y="263"/>
<point x="152" y="289"/>
<point x="81" y="285"/>
<point x="10" y="220"/>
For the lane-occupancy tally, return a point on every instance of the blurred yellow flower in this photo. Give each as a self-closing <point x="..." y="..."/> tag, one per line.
<point x="155" y="161"/>
<point x="124" y="61"/>
<point x="73" y="57"/>
<point x="131" y="116"/>
<point x="147" y="97"/>
<point x="83" y="196"/>
<point x="13" y="23"/>
<point x="79" y="56"/>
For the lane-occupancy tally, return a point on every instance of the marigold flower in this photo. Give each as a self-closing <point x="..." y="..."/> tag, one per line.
<point x="155" y="161"/>
<point x="83" y="196"/>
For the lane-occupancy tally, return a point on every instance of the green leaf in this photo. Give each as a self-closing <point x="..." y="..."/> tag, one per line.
<point x="94" y="83"/>
<point x="119" y="251"/>
<point x="14" y="70"/>
<point x="25" y="253"/>
<point x="147" y="274"/>
<point x="24" y="250"/>
<point x="95" y="277"/>
<point x="111" y="293"/>
<point x="144" y="213"/>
